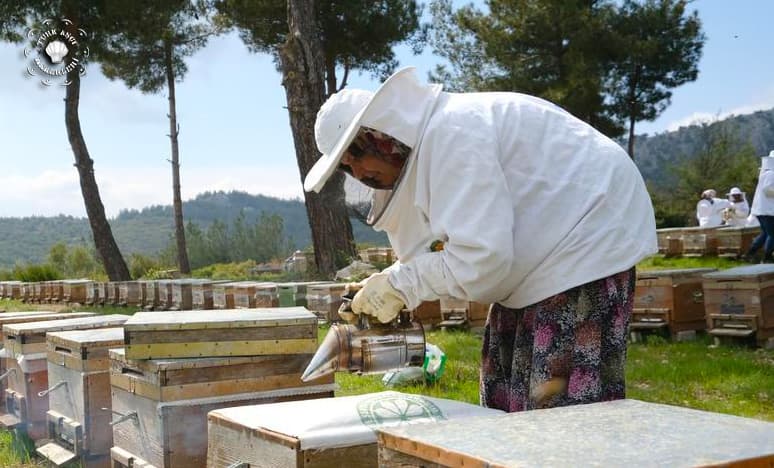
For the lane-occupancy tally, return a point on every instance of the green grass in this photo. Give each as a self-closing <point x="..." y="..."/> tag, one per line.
<point x="19" y="306"/>
<point x="658" y="262"/>
<point x="17" y="451"/>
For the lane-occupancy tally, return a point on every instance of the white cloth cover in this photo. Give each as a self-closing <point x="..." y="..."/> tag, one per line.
<point x="763" y="203"/>
<point x="528" y="200"/>
<point x="347" y="421"/>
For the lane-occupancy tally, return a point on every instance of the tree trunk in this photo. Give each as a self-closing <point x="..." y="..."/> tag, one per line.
<point x="631" y="137"/>
<point x="177" y="202"/>
<point x="634" y="107"/>
<point x="114" y="263"/>
<point x="303" y="69"/>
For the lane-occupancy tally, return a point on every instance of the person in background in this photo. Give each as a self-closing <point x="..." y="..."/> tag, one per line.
<point x="763" y="209"/>
<point x="709" y="209"/>
<point x="505" y="199"/>
<point x="738" y="209"/>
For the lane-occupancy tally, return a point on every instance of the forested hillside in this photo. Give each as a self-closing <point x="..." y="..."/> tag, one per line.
<point x="147" y="231"/>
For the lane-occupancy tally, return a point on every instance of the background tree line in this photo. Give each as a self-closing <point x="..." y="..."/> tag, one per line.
<point x="611" y="63"/>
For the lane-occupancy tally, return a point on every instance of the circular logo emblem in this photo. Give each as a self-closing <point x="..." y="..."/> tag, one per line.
<point x="55" y="50"/>
<point x="398" y="409"/>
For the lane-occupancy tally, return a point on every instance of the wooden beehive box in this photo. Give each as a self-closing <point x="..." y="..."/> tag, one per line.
<point x="669" y="241"/>
<point x="341" y="433"/>
<point x="223" y="295"/>
<point x="616" y="433"/>
<point x="164" y="403"/>
<point x="112" y="293"/>
<point x="165" y="294"/>
<point x="325" y="299"/>
<point x="267" y="295"/>
<point x="739" y="302"/>
<point x="201" y="294"/>
<point x="428" y="313"/>
<point x="130" y="294"/>
<point x="244" y="294"/>
<point x="74" y="291"/>
<point x="79" y="397"/>
<point x="151" y="299"/>
<point x="235" y="332"/>
<point x="12" y="290"/>
<point x="735" y="241"/>
<point x="56" y="292"/>
<point x="699" y="241"/>
<point x="670" y="300"/>
<point x="26" y="397"/>
<point x="182" y="294"/>
<point x="92" y="294"/>
<point x="294" y="294"/>
<point x="19" y="317"/>
<point x="26" y="292"/>
<point x="37" y="292"/>
<point x="45" y="291"/>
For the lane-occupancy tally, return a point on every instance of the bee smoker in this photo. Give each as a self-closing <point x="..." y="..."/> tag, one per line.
<point x="368" y="347"/>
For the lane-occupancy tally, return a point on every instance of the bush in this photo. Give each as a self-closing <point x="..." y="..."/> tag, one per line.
<point x="32" y="273"/>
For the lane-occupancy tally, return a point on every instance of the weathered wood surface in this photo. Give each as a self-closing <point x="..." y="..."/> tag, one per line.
<point x="181" y="379"/>
<point x="618" y="433"/>
<point x="235" y="332"/>
<point x="25" y="338"/>
<point x="733" y="241"/>
<point x="83" y="350"/>
<point x="175" y="435"/>
<point x="22" y="398"/>
<point x="672" y="298"/>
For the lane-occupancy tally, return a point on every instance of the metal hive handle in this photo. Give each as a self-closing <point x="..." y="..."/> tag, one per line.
<point x="123" y="417"/>
<point x="51" y="389"/>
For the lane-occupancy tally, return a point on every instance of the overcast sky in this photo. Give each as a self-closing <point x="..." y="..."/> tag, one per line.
<point x="235" y="132"/>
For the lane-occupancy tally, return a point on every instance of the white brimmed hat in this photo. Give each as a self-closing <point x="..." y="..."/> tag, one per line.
<point x="337" y="124"/>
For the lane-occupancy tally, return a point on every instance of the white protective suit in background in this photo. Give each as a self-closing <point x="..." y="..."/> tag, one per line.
<point x="737" y="212"/>
<point x="709" y="210"/>
<point x="528" y="200"/>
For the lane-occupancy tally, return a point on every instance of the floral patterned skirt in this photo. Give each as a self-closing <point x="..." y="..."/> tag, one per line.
<point x="567" y="349"/>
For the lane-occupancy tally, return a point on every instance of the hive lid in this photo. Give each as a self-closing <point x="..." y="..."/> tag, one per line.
<point x="88" y="338"/>
<point x="226" y="318"/>
<point x="674" y="272"/>
<point x="760" y="272"/>
<point x="8" y="318"/>
<point x="94" y="321"/>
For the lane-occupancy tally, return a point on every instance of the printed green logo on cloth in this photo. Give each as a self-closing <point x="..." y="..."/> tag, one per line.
<point x="394" y="410"/>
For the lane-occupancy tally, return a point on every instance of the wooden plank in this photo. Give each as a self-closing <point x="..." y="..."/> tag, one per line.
<point x="232" y="318"/>
<point x="598" y="434"/>
<point x="221" y="334"/>
<point x="216" y="348"/>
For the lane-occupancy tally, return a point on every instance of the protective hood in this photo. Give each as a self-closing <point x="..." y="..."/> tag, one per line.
<point x="767" y="162"/>
<point x="398" y="108"/>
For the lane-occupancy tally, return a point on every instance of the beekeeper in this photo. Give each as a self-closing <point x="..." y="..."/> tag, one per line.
<point x="709" y="209"/>
<point x="453" y="171"/>
<point x="763" y="209"/>
<point x="738" y="209"/>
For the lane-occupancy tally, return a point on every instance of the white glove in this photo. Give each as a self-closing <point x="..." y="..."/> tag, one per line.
<point x="379" y="299"/>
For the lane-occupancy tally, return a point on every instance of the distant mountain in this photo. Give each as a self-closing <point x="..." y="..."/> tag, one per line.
<point x="149" y="230"/>
<point x="654" y="154"/>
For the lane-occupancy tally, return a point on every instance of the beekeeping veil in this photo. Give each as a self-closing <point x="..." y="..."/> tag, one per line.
<point x="399" y="108"/>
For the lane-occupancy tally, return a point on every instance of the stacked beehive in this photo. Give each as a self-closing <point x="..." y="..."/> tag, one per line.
<point x="175" y="367"/>
<point x="461" y="313"/>
<point x="25" y="344"/>
<point x="79" y="396"/>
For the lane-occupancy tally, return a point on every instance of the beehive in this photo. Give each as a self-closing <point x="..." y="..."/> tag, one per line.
<point x="55" y="292"/>
<point x="615" y="433"/>
<point x="112" y="293"/>
<point x="182" y="293"/>
<point x="341" y="433"/>
<point x="267" y="295"/>
<point x="79" y="396"/>
<point x="669" y="300"/>
<point x="244" y="294"/>
<point x="161" y="406"/>
<point x="739" y="302"/>
<point x="201" y="295"/>
<point x="223" y="294"/>
<point x="93" y="296"/>
<point x="461" y="313"/>
<point x="735" y="241"/>
<point x="75" y="291"/>
<point x="699" y="241"/>
<point x="235" y="332"/>
<point x="130" y="294"/>
<point x="325" y="300"/>
<point x="294" y="294"/>
<point x="26" y="397"/>
<point x="151" y="299"/>
<point x="37" y="292"/>
<point x="428" y="313"/>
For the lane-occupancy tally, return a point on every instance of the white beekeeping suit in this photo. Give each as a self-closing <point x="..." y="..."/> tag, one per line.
<point x="709" y="210"/>
<point x="738" y="210"/>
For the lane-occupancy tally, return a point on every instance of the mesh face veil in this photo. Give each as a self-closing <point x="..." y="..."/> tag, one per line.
<point x="360" y="193"/>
